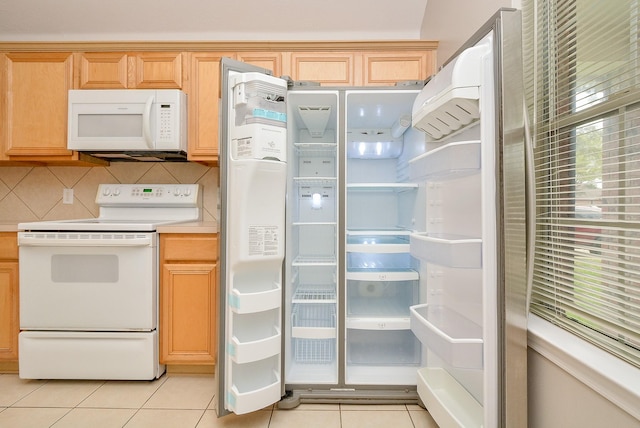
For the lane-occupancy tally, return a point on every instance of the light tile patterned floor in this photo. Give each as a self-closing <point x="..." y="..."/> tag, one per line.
<point x="174" y="401"/>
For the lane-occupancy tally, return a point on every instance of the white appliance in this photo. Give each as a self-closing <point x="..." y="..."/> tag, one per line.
<point x="89" y="287"/>
<point x="128" y="124"/>
<point x="365" y="262"/>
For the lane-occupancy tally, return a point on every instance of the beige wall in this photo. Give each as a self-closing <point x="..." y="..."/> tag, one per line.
<point x="452" y="22"/>
<point x="35" y="193"/>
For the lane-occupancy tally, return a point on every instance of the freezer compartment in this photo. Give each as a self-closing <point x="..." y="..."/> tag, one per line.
<point x="382" y="347"/>
<point x="456" y="339"/>
<point x="381" y="294"/>
<point x="89" y="355"/>
<point x="316" y="200"/>
<point x="446" y="162"/>
<point x="314" y="320"/>
<point x="449" y="402"/>
<point x="447" y="249"/>
<point x="254" y="385"/>
<point x="254" y="336"/>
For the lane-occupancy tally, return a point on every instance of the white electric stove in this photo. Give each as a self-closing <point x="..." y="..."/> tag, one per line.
<point x="89" y="287"/>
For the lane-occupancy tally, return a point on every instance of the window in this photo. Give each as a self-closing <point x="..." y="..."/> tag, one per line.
<point x="583" y="98"/>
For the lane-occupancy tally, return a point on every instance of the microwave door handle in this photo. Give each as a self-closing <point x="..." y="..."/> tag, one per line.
<point x="146" y="122"/>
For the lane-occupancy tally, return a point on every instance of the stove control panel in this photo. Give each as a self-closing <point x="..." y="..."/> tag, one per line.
<point x="148" y="194"/>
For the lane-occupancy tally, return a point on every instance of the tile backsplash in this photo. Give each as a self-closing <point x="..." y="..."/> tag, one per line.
<point x="35" y="193"/>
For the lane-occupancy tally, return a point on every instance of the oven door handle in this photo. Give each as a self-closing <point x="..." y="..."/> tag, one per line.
<point x="33" y="241"/>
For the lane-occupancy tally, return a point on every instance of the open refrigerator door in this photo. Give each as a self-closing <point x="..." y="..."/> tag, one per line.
<point x="472" y="319"/>
<point x="253" y="188"/>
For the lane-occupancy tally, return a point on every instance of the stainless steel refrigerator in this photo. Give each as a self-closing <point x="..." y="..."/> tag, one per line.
<point x="373" y="239"/>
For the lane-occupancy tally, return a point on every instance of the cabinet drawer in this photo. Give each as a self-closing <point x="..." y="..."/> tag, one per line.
<point x="188" y="247"/>
<point x="8" y="246"/>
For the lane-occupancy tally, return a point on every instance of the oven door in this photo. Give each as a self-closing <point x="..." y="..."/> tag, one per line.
<point x="88" y="281"/>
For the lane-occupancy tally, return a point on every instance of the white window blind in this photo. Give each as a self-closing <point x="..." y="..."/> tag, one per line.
<point x="582" y="65"/>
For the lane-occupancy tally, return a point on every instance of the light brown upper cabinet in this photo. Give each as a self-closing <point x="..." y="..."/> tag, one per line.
<point x="34" y="106"/>
<point x="119" y="70"/>
<point x="269" y="60"/>
<point x="203" y="94"/>
<point x="326" y="68"/>
<point x="388" y="68"/>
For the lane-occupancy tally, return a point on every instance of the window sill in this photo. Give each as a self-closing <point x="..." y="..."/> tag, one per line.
<point x="609" y="376"/>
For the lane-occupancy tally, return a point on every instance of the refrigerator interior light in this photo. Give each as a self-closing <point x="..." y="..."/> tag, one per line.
<point x="316" y="201"/>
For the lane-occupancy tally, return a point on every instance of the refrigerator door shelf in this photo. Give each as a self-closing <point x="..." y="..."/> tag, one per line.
<point x="243" y="303"/>
<point x="448" y="401"/>
<point x="447" y="250"/>
<point x="456" y="339"/>
<point x="450" y="161"/>
<point x="243" y="350"/>
<point x="254" y="393"/>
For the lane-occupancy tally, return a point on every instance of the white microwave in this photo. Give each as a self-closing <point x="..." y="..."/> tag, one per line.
<point x="127" y="120"/>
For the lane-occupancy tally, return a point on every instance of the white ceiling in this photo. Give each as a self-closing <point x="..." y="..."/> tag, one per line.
<point x="206" y="20"/>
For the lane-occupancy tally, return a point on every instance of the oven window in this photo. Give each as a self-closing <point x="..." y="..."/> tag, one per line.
<point x="86" y="268"/>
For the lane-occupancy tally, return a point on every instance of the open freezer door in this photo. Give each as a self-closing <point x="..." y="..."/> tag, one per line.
<point x="252" y="238"/>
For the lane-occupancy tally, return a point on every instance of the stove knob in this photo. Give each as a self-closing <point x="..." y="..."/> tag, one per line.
<point x="106" y="191"/>
<point x="116" y="191"/>
<point x="187" y="192"/>
<point x="176" y="191"/>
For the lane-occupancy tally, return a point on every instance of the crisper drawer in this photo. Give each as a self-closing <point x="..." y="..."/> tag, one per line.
<point x="382" y="347"/>
<point x="381" y="293"/>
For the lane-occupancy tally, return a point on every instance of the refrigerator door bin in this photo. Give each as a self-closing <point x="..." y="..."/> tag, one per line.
<point x="254" y="385"/>
<point x="449" y="161"/>
<point x="255" y="336"/>
<point x="313" y="321"/>
<point x="314" y="351"/>
<point x="382" y="347"/>
<point x="448" y="401"/>
<point x="456" y="339"/>
<point x="316" y="199"/>
<point x="246" y="300"/>
<point x="447" y="250"/>
<point x="370" y="296"/>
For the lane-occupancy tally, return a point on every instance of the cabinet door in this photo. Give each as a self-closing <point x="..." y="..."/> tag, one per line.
<point x="326" y="68"/>
<point x="156" y="70"/>
<point x="102" y="70"/>
<point x="385" y="69"/>
<point x="35" y="105"/>
<point x="269" y="60"/>
<point x="9" y="325"/>
<point x="203" y="89"/>
<point x="188" y="311"/>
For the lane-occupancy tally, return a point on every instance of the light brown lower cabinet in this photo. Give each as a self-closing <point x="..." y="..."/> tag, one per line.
<point x="9" y="304"/>
<point x="188" y="293"/>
